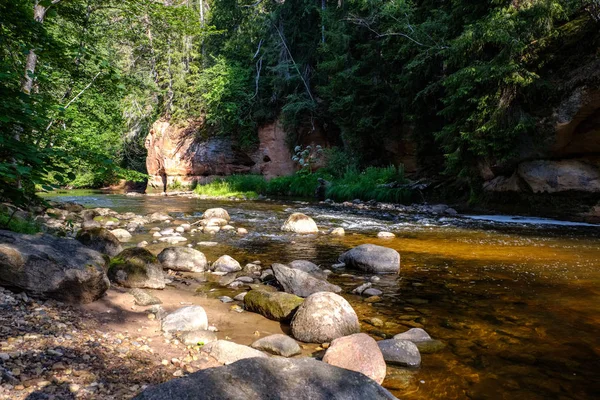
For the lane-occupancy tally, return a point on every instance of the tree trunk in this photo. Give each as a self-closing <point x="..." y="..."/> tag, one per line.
<point x="39" y="13"/>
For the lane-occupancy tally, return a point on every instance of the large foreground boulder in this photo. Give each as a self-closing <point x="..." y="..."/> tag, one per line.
<point x="270" y="378"/>
<point x="136" y="267"/>
<point x="373" y="259"/>
<point x="100" y="239"/>
<point x="322" y="317"/>
<point x="301" y="283"/>
<point x="183" y="259"/>
<point x="300" y="223"/>
<point x="358" y="352"/>
<point x="48" y="266"/>
<point x="277" y="306"/>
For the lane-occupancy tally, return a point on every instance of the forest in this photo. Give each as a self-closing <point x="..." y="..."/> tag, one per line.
<point x="82" y="81"/>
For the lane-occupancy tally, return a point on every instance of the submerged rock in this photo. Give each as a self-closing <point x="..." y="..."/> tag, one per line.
<point x="279" y="344"/>
<point x="270" y="378"/>
<point x="136" y="267"/>
<point x="372" y="258"/>
<point x="300" y="223"/>
<point x="358" y="352"/>
<point x="277" y="306"/>
<point x="183" y="259"/>
<point x="323" y="317"/>
<point x="48" y="266"/>
<point x="400" y="352"/>
<point x="100" y="239"/>
<point x="184" y="319"/>
<point x="301" y="283"/>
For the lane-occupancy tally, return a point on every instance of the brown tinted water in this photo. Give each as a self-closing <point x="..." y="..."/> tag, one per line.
<point x="516" y="305"/>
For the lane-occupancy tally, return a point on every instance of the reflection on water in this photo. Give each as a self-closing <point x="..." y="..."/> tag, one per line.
<point x="516" y="304"/>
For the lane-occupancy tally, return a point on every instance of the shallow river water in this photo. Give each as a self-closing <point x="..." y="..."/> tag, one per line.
<point x="516" y="302"/>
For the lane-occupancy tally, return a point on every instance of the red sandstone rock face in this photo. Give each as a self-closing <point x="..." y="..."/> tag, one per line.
<point x="273" y="157"/>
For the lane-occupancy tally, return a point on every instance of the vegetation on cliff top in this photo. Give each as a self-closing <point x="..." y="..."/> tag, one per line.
<point x="81" y="81"/>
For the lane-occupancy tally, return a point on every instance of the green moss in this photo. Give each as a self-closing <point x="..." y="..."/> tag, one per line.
<point x="133" y="262"/>
<point x="278" y="306"/>
<point x="17" y="224"/>
<point x="105" y="218"/>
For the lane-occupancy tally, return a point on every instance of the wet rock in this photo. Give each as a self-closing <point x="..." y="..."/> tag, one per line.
<point x="245" y="279"/>
<point x="48" y="266"/>
<point x="172" y="239"/>
<point x="158" y="217"/>
<point x="198" y="337"/>
<point x="372" y="258"/>
<point x="100" y="239"/>
<point x="136" y="267"/>
<point x="430" y="346"/>
<point x="301" y="283"/>
<point x="185" y="319"/>
<point x="280" y="345"/>
<point x="376" y="322"/>
<point x="322" y="317"/>
<point x="240" y="296"/>
<point x="216" y="213"/>
<point x="414" y="335"/>
<point x="252" y="269"/>
<point x="143" y="298"/>
<point x="270" y="378"/>
<point x="226" y="299"/>
<point x="400" y="352"/>
<point x="183" y="259"/>
<point x="226" y="264"/>
<point x="300" y="223"/>
<point x="121" y="234"/>
<point x="277" y="306"/>
<point x="358" y="352"/>
<point x="338" y="232"/>
<point x="385" y="235"/>
<point x="207" y="244"/>
<point x="372" y="292"/>
<point x="308" y="267"/>
<point x="227" y="352"/>
<point x="362" y="288"/>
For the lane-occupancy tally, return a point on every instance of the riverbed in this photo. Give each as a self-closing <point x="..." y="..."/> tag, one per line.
<point x="515" y="301"/>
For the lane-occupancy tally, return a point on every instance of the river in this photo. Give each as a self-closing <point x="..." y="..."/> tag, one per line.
<point x="515" y="301"/>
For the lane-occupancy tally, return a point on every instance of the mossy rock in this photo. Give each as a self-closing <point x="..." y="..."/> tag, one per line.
<point x="278" y="306"/>
<point x="136" y="268"/>
<point x="105" y="219"/>
<point x="101" y="240"/>
<point x="430" y="346"/>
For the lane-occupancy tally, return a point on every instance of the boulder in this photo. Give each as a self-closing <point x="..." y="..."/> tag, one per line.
<point x="183" y="259"/>
<point x="551" y="176"/>
<point x="400" y="352"/>
<point x="300" y="223"/>
<point x="121" y="234"/>
<point x="270" y="378"/>
<point x="323" y="317"/>
<point x="226" y="264"/>
<point x="227" y="352"/>
<point x="278" y="344"/>
<point x="308" y="267"/>
<point x="301" y="283"/>
<point x="136" y="267"/>
<point x="101" y="240"/>
<point x="277" y="306"/>
<point x="185" y="319"/>
<point x="216" y="213"/>
<point x="358" y="352"/>
<point x="198" y="337"/>
<point x="373" y="259"/>
<point x="48" y="266"/>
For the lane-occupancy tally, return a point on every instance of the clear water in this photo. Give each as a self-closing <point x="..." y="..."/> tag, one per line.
<point x="517" y="302"/>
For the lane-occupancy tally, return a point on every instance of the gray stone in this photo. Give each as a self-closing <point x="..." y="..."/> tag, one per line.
<point x="240" y="297"/>
<point x="300" y="223"/>
<point x="198" y="337"/>
<point x="220" y="213"/>
<point x="100" y="239"/>
<point x="414" y="335"/>
<point x="308" y="267"/>
<point x="136" y="267"/>
<point x="322" y="317"/>
<point x="48" y="266"/>
<point x="121" y="234"/>
<point x="226" y="299"/>
<point x="143" y="298"/>
<point x="252" y="269"/>
<point x="372" y="292"/>
<point x="189" y="318"/>
<point x="226" y="264"/>
<point x="372" y="258"/>
<point x="270" y="379"/>
<point x="301" y="283"/>
<point x="227" y="352"/>
<point x="183" y="259"/>
<point x="400" y="352"/>
<point x="245" y="279"/>
<point x="362" y="288"/>
<point x="158" y="217"/>
<point x="278" y="344"/>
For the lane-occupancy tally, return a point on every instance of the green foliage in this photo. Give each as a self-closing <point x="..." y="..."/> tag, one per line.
<point x="13" y="223"/>
<point x="368" y="185"/>
<point x="240" y="186"/>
